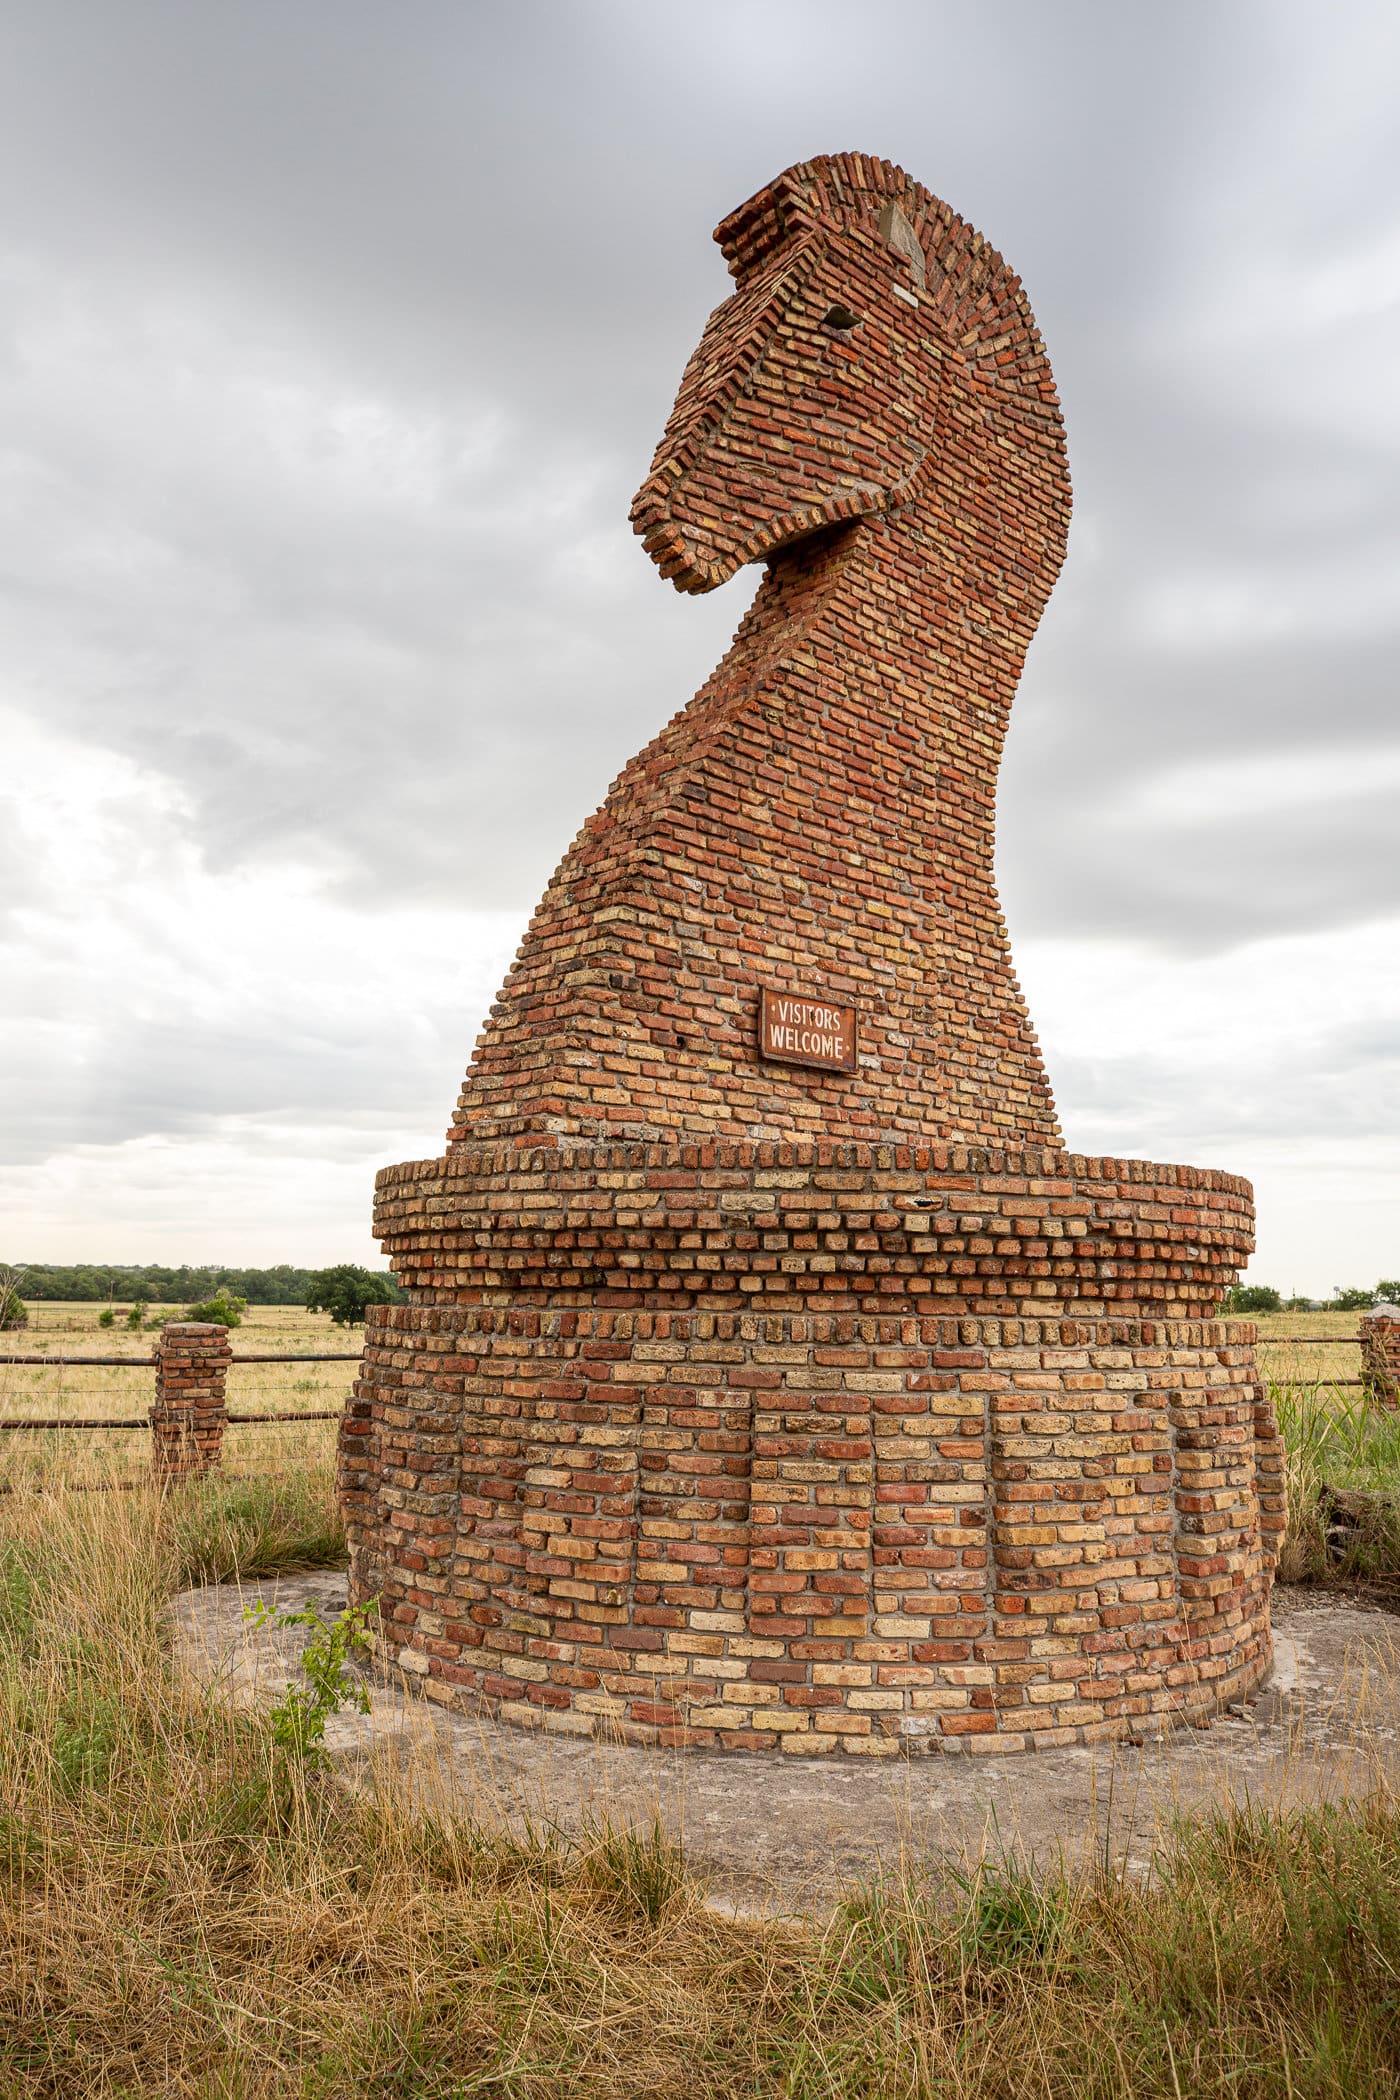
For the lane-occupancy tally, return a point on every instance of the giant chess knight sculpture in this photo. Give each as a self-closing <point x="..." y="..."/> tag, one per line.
<point x="771" y="1375"/>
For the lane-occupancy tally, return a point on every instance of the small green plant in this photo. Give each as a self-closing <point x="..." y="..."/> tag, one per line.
<point x="107" y="1317"/>
<point x="1010" y="1915"/>
<point x="228" y="1528"/>
<point x="299" y="1718"/>
<point x="1338" y="1443"/>
<point x="643" y="1869"/>
<point x="222" y="1310"/>
<point x="84" y="1741"/>
<point x="136" y="1318"/>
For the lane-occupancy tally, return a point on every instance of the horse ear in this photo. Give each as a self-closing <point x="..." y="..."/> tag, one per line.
<point x="897" y="233"/>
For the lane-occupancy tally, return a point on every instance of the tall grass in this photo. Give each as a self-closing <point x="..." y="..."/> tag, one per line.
<point x="1335" y="1439"/>
<point x="187" y="1908"/>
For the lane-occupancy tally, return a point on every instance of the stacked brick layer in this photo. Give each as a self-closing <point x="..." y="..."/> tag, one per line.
<point x="814" y="1530"/>
<point x="928" y="1228"/>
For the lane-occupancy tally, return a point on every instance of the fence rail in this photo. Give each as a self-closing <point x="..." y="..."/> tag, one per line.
<point x="143" y="1363"/>
<point x="190" y="1364"/>
<point x="75" y="1422"/>
<point x="298" y="1414"/>
<point x="1318" y="1341"/>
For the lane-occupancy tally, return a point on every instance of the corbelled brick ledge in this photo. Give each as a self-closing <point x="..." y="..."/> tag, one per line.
<point x="946" y="1228"/>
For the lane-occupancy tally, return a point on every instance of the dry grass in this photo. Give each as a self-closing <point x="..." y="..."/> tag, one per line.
<point x="187" y="1910"/>
<point x="90" y="1456"/>
<point x="1311" y="1361"/>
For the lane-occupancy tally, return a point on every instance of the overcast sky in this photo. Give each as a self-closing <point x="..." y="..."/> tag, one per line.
<point x="334" y="340"/>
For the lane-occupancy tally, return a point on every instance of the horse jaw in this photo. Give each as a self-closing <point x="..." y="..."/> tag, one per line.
<point x="685" y="565"/>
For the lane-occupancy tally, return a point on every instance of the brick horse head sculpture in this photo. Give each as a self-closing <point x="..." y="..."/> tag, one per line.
<point x="745" y="1402"/>
<point x="873" y="415"/>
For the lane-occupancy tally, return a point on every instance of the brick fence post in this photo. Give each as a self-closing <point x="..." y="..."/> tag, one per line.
<point x="1379" y="1334"/>
<point x="356" y="1478"/>
<point x="189" y="1412"/>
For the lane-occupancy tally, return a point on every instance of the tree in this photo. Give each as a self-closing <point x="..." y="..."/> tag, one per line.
<point x="1350" y="1298"/>
<point x="13" y="1310"/>
<point x="1253" y="1298"/>
<point x="95" y="1281"/>
<point x="1388" y="1291"/>
<point x="222" y="1310"/>
<point x="346" y="1291"/>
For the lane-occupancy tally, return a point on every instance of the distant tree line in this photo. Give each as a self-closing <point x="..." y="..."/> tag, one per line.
<point x="1263" y="1298"/>
<point x="148" y="1283"/>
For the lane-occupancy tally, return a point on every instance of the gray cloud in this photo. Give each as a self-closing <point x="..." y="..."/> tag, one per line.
<point x="337" y="343"/>
<point x="334" y="340"/>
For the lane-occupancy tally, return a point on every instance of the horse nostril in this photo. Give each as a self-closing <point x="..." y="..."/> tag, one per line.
<point x="840" y="317"/>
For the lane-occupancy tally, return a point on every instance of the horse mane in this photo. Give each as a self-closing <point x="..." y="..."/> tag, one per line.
<point x="976" y="300"/>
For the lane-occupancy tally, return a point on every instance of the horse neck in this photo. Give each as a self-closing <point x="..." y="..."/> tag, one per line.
<point x="821" y="811"/>
<point x="895" y="615"/>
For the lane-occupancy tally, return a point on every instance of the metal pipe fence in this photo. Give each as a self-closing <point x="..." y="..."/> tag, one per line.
<point x="191" y="1365"/>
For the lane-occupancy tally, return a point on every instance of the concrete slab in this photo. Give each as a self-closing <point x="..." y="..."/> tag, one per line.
<point x="788" y="1833"/>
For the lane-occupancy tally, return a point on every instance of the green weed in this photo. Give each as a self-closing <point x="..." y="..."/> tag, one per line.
<point x="643" y="1869"/>
<point x="299" y="1718"/>
<point x="224" y="1528"/>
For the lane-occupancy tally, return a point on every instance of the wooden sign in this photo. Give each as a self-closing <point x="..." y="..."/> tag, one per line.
<point x="800" y="1031"/>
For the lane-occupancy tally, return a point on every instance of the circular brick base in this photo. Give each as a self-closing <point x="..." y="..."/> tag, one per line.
<point x="815" y="1529"/>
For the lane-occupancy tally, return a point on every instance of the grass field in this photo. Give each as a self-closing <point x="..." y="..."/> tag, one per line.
<point x="188" y="1907"/>
<point x="1306" y="1362"/>
<point x="87" y="1390"/>
<point x="1335" y="1440"/>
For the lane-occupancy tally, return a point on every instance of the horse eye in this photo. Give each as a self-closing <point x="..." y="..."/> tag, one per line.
<point x="839" y="317"/>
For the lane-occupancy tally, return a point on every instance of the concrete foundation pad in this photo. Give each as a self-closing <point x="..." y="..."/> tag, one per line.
<point x="771" y="1832"/>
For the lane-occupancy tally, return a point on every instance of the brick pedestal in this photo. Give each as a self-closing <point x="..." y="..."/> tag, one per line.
<point x="1380" y="1357"/>
<point x="189" y="1413"/>
<point x="750" y="1447"/>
